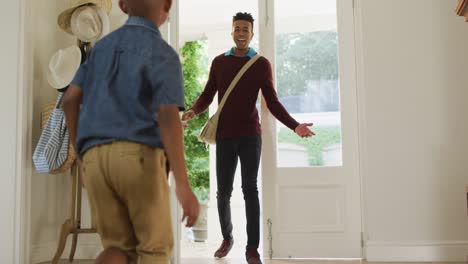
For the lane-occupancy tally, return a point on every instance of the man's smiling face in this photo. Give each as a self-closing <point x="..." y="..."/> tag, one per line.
<point x="242" y="33"/>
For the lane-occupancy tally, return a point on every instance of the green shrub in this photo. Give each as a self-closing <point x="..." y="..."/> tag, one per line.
<point x="194" y="69"/>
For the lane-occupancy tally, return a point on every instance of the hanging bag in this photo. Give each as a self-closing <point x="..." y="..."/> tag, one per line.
<point x="208" y="132"/>
<point x="52" y="150"/>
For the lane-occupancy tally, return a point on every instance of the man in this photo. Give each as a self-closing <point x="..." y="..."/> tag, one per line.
<point x="239" y="131"/>
<point x="131" y="92"/>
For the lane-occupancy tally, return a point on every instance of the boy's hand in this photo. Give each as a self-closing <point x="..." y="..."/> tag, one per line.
<point x="172" y="138"/>
<point x="188" y="115"/>
<point x="189" y="203"/>
<point x="303" y="131"/>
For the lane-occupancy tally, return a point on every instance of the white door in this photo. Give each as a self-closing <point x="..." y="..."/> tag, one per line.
<point x="169" y="32"/>
<point x="311" y="188"/>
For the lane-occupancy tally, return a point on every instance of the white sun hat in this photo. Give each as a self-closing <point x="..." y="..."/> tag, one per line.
<point x="89" y="23"/>
<point x="64" y="19"/>
<point x="63" y="66"/>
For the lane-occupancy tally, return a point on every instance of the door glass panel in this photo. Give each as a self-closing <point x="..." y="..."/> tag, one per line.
<point x="307" y="80"/>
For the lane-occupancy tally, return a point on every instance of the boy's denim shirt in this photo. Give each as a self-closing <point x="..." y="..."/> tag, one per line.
<point x="127" y="75"/>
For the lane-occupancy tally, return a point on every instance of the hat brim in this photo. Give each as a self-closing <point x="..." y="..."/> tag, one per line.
<point x="64" y="18"/>
<point x="75" y="61"/>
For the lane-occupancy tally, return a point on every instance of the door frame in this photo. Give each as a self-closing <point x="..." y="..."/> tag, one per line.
<point x="361" y="118"/>
<point x="266" y="14"/>
<point x="172" y="27"/>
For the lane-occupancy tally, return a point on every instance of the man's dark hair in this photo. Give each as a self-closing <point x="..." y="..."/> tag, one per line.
<point x="243" y="16"/>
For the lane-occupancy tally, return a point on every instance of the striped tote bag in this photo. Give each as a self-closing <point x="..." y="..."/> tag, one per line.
<point x="52" y="149"/>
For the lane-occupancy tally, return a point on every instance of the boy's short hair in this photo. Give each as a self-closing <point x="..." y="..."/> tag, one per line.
<point x="243" y="16"/>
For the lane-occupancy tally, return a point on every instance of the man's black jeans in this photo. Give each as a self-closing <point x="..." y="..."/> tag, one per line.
<point x="228" y="151"/>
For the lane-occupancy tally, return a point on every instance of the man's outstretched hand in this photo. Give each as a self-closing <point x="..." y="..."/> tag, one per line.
<point x="303" y="130"/>
<point x="187" y="116"/>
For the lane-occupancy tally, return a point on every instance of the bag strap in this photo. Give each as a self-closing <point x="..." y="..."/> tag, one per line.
<point x="58" y="103"/>
<point x="235" y="80"/>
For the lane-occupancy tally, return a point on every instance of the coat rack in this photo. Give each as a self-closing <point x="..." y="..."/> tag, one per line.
<point x="72" y="226"/>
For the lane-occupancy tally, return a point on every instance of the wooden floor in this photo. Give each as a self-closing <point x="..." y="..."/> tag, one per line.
<point x="241" y="261"/>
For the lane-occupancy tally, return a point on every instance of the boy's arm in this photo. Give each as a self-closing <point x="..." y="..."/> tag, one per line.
<point x="72" y="101"/>
<point x="172" y="138"/>
<point x="71" y="107"/>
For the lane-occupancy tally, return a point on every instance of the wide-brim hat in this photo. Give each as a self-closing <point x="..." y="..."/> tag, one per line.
<point x="63" y="66"/>
<point x="89" y="23"/>
<point x="64" y="19"/>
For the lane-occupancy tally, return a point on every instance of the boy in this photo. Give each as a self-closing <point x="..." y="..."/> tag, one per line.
<point x="131" y="93"/>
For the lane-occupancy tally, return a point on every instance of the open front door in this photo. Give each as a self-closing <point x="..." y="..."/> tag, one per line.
<point x="311" y="187"/>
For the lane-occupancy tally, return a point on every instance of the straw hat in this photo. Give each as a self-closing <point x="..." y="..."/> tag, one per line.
<point x="89" y="23"/>
<point x="63" y="66"/>
<point x="64" y="18"/>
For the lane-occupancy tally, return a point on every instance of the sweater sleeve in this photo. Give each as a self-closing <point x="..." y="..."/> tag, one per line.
<point x="271" y="98"/>
<point x="206" y="97"/>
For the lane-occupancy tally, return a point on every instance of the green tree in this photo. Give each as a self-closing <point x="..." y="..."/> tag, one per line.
<point x="194" y="69"/>
<point x="305" y="56"/>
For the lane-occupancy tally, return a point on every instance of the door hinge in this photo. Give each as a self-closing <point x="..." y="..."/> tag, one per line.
<point x="270" y="238"/>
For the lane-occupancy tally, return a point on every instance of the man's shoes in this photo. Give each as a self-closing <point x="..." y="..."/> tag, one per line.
<point x="252" y="256"/>
<point x="224" y="249"/>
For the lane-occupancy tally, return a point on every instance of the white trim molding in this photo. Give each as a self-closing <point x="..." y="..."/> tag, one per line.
<point x="24" y="137"/>
<point x="417" y="251"/>
<point x="13" y="193"/>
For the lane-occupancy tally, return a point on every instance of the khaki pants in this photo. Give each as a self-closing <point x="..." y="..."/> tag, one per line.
<point x="129" y="197"/>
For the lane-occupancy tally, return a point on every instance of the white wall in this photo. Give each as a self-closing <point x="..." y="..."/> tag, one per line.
<point x="413" y="95"/>
<point x="10" y="25"/>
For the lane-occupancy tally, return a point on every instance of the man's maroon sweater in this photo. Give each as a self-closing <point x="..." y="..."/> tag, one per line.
<point x="239" y="116"/>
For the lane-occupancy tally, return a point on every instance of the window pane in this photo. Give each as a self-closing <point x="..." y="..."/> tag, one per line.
<point x="307" y="81"/>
